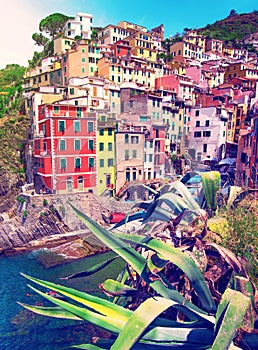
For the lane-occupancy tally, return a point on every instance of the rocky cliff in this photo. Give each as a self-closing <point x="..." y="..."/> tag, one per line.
<point x="47" y="220"/>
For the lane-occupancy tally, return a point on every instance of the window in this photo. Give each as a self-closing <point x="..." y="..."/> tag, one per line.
<point x="83" y="59"/>
<point x="135" y="139"/>
<point x="197" y="134"/>
<point x="77" y="163"/>
<point x="110" y="162"/>
<point x="150" y="157"/>
<point x="101" y="146"/>
<point x="101" y="132"/>
<point x="197" y="113"/>
<point x="83" y="50"/>
<point x="109" y="132"/>
<point x="197" y="123"/>
<point x="61" y="125"/>
<point x="134" y="153"/>
<point x="62" y="145"/>
<point x="207" y="123"/>
<point x="91" y="162"/>
<point x="126" y="138"/>
<point x="127" y="154"/>
<point x="110" y="146"/>
<point x="91" y="145"/>
<point x="77" y="145"/>
<point x="62" y="163"/>
<point x="206" y="133"/>
<point x="72" y="91"/>
<point x="83" y="70"/>
<point x="77" y="126"/>
<point x="101" y="163"/>
<point x="91" y="127"/>
<point x="151" y="144"/>
<point x="205" y="147"/>
<point x="56" y="110"/>
<point x="78" y="112"/>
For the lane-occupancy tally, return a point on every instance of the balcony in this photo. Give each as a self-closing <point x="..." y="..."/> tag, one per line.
<point x="45" y="154"/>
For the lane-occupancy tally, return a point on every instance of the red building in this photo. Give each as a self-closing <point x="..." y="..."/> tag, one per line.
<point x="65" y="150"/>
<point x="121" y="48"/>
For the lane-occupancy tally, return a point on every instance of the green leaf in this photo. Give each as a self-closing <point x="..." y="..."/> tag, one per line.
<point x="51" y="311"/>
<point x="90" y="270"/>
<point x="139" y="264"/>
<point x="180" y="259"/>
<point x="102" y="306"/>
<point x="139" y="321"/>
<point x="108" y="323"/>
<point x="115" y="288"/>
<point x="142" y="318"/>
<point x="87" y="347"/>
<point x="117" y="245"/>
<point x="173" y="201"/>
<point x="229" y="317"/>
<point x="211" y="185"/>
<point x="180" y="188"/>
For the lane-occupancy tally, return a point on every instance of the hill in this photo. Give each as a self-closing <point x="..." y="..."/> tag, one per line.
<point x="232" y="29"/>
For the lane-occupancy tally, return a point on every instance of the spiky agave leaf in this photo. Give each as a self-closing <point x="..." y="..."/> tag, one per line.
<point x="229" y="317"/>
<point x="90" y="271"/>
<point x="211" y="185"/>
<point x="110" y="323"/>
<point x="51" y="311"/>
<point x="143" y="316"/>
<point x="139" y="264"/>
<point x="102" y="306"/>
<point x="180" y="259"/>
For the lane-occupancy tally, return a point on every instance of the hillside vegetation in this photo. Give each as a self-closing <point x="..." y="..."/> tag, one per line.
<point x="11" y="89"/>
<point x="13" y="127"/>
<point x="232" y="29"/>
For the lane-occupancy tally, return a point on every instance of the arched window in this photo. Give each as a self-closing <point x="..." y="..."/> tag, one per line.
<point x="134" y="174"/>
<point x="69" y="184"/>
<point x="80" y="183"/>
<point x="127" y="174"/>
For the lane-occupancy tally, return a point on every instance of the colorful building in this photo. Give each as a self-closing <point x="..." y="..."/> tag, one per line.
<point x="106" y="152"/>
<point x="65" y="151"/>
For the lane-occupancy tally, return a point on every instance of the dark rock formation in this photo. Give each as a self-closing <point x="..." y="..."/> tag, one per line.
<point x="48" y="220"/>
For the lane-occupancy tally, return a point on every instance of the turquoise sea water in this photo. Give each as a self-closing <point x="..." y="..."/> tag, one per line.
<point x="23" y="330"/>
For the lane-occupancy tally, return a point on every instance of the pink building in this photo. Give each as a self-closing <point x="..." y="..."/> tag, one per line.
<point x="65" y="149"/>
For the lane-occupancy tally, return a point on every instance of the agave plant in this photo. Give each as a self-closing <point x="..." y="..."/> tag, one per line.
<point x="176" y="290"/>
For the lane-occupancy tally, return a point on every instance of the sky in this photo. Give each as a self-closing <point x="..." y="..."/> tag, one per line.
<point x="19" y="19"/>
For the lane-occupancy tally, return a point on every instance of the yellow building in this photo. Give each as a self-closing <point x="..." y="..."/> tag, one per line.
<point x="241" y="70"/>
<point x="188" y="50"/>
<point x="192" y="37"/>
<point x="142" y="45"/>
<point x="132" y="69"/>
<point x="61" y="45"/>
<point x="106" y="152"/>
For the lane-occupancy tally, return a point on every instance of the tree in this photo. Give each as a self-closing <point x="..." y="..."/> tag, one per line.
<point x="40" y="39"/>
<point x="232" y="13"/>
<point x="53" y="23"/>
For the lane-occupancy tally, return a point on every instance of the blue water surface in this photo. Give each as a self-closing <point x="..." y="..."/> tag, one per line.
<point x="24" y="330"/>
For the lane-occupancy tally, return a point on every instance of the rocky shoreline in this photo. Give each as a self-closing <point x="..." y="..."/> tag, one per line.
<point x="51" y="224"/>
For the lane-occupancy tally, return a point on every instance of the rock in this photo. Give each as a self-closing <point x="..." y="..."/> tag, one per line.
<point x="50" y="225"/>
